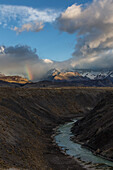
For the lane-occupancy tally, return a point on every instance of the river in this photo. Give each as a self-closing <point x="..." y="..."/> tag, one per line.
<point x="63" y="140"/>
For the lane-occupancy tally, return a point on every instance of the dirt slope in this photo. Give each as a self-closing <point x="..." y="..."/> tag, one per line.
<point x="95" y="130"/>
<point x="27" y="117"/>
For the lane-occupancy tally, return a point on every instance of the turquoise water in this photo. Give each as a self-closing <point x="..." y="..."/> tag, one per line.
<point x="62" y="138"/>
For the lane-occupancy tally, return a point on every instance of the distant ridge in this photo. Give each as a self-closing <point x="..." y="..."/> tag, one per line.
<point x="13" y="79"/>
<point x="79" y="74"/>
<point x="75" y="77"/>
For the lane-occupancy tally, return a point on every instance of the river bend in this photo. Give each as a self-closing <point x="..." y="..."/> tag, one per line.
<point x="63" y="140"/>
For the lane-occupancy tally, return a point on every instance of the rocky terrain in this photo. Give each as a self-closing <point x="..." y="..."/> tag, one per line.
<point x="27" y="119"/>
<point x="95" y="130"/>
<point x="81" y="82"/>
<point x="80" y="78"/>
<point x="57" y="78"/>
<point x="57" y="75"/>
<point x="14" y="79"/>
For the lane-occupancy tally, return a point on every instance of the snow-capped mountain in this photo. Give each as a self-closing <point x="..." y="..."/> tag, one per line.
<point x="79" y="74"/>
<point x="2" y="49"/>
<point x="96" y="74"/>
<point x="53" y="72"/>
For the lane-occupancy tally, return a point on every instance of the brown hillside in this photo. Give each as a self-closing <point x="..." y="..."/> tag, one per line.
<point x="27" y="117"/>
<point x="14" y="79"/>
<point x="95" y="130"/>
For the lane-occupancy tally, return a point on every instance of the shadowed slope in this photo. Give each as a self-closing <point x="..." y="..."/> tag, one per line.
<point x="95" y="130"/>
<point x="27" y="117"/>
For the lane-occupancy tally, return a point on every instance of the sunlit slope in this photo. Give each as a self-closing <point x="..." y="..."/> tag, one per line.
<point x="14" y="79"/>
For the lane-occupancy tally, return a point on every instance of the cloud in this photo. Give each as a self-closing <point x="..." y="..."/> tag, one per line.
<point x="93" y="25"/>
<point x="23" y="18"/>
<point x="34" y="27"/>
<point x="18" y="59"/>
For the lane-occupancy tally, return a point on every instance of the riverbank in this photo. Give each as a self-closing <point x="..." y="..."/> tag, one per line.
<point x="55" y="157"/>
<point x="86" y="158"/>
<point x="99" y="127"/>
<point x="27" y="117"/>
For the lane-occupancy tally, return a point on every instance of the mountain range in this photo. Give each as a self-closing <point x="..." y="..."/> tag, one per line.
<point x="77" y="74"/>
<point x="58" y="78"/>
<point x="80" y="77"/>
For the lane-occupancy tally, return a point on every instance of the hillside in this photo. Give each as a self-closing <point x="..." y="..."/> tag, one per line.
<point x="27" y="117"/>
<point x="14" y="79"/>
<point x="95" y="130"/>
<point x="80" y="78"/>
<point x="63" y="78"/>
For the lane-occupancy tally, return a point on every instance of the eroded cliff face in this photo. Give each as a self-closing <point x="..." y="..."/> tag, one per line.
<point x="95" y="130"/>
<point x="27" y="117"/>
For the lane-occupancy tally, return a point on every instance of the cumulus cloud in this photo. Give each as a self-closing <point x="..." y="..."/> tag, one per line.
<point x="23" y="18"/>
<point x="22" y="60"/>
<point x="93" y="25"/>
<point x="18" y="59"/>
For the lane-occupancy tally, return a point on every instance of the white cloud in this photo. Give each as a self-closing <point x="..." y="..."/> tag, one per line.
<point x="22" y="59"/>
<point x="93" y="25"/>
<point x="18" y="59"/>
<point x="21" y="18"/>
<point x="34" y="27"/>
<point x="72" y="12"/>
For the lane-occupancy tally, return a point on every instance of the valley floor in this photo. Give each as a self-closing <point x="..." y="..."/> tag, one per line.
<point x="27" y="119"/>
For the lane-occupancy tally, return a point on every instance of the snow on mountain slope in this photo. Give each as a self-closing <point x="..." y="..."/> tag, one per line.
<point x="90" y="74"/>
<point x="95" y="74"/>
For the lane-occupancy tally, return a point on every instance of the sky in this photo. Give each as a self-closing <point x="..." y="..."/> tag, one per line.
<point x="38" y="35"/>
<point x="45" y="41"/>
